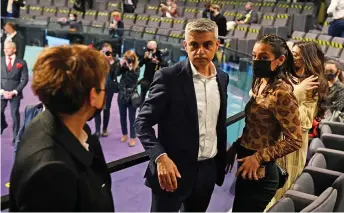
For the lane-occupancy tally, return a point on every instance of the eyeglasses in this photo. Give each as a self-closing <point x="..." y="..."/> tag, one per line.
<point x="108" y="53"/>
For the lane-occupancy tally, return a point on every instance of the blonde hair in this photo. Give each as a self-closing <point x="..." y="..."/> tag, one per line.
<point x="202" y="25"/>
<point x="132" y="54"/>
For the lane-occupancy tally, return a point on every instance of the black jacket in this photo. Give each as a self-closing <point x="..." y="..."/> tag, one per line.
<point x="54" y="172"/>
<point x="151" y="67"/>
<point x="15" y="9"/>
<point x="172" y="105"/>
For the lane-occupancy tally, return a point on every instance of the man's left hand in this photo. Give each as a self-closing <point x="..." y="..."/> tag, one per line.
<point x="249" y="167"/>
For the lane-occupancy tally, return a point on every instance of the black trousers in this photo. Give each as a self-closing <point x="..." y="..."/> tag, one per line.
<point x="14" y="104"/>
<point x="199" y="197"/>
<point x="106" y="113"/>
<point x="144" y="89"/>
<point x="252" y="195"/>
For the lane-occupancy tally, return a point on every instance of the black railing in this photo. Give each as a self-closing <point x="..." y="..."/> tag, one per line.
<point x="129" y="161"/>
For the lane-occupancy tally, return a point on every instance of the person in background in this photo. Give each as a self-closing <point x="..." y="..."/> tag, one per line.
<point x="219" y="19"/>
<point x="129" y="70"/>
<point x="129" y="6"/>
<point x="29" y="114"/>
<point x="335" y="97"/>
<point x="75" y="25"/>
<point x="60" y="166"/>
<point x="271" y="112"/>
<point x="116" y="27"/>
<point x="153" y="61"/>
<point x="251" y="17"/>
<point x="310" y="89"/>
<point x="16" y="37"/>
<point x="169" y="9"/>
<point x="206" y="11"/>
<point x="11" y="8"/>
<point x="111" y="88"/>
<point x="188" y="102"/>
<point x="14" y="78"/>
<point x="336" y="9"/>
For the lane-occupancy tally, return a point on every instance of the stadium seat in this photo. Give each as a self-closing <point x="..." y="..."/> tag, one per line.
<point x="335" y="48"/>
<point x="328" y="159"/>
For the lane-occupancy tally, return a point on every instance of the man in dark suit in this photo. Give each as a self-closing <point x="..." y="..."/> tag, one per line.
<point x="30" y="113"/>
<point x="14" y="77"/>
<point x="16" y="37"/>
<point x="188" y="101"/>
<point x="11" y="8"/>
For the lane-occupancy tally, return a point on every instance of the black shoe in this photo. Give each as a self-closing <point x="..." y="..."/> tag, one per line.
<point x="3" y="127"/>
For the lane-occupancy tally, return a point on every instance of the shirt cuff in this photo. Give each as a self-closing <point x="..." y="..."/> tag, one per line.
<point x="15" y="92"/>
<point x="1" y="91"/>
<point x="156" y="159"/>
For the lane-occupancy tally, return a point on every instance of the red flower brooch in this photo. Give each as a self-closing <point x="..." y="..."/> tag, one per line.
<point x="19" y="65"/>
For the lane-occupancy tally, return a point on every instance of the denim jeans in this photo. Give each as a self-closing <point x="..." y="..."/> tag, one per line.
<point x="123" y="108"/>
<point x="336" y="28"/>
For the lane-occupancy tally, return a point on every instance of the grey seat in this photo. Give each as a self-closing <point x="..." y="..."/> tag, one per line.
<point x="336" y="47"/>
<point x="90" y="15"/>
<point x="239" y="32"/>
<point x="49" y="11"/>
<point x="230" y="15"/>
<point x="328" y="159"/>
<point x="267" y="7"/>
<point x="295" y="8"/>
<point x="190" y="12"/>
<point x="308" y="8"/>
<point x="62" y="12"/>
<point x="175" y="36"/>
<point x="103" y="15"/>
<point x="329" y="141"/>
<point x="162" y="34"/>
<point x="141" y="20"/>
<point x="297" y="35"/>
<point x="227" y="5"/>
<point x="154" y="21"/>
<point x="31" y="2"/>
<point x="294" y="201"/>
<point x="129" y="19"/>
<point x="35" y="10"/>
<point x="140" y="8"/>
<point x="192" y="3"/>
<point x="152" y="9"/>
<point x="324" y="28"/>
<point x="41" y="21"/>
<point x="281" y="7"/>
<point x="246" y="44"/>
<point x="24" y="10"/>
<point x="267" y="23"/>
<point x="149" y="33"/>
<point x="96" y="27"/>
<point x="113" y="6"/>
<point x="136" y="31"/>
<point x="46" y="3"/>
<point x="324" y="41"/>
<point x="302" y="22"/>
<point x="179" y="23"/>
<point x="315" y="181"/>
<point x="166" y="23"/>
<point x="101" y="5"/>
<point x="332" y="127"/>
<point x="311" y="37"/>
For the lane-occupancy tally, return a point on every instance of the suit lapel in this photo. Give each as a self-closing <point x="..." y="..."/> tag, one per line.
<point x="14" y="68"/>
<point x="189" y="89"/>
<point x="4" y="70"/>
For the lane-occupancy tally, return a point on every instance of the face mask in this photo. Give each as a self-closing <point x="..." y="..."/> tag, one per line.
<point x="98" y="111"/>
<point x="331" y="76"/>
<point x="117" y="19"/>
<point x="212" y="12"/>
<point x="262" y="69"/>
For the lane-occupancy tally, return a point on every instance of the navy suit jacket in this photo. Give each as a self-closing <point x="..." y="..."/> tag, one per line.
<point x="172" y="105"/>
<point x="30" y="113"/>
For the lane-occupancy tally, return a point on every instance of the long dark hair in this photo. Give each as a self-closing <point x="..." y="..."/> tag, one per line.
<point x="279" y="47"/>
<point x="314" y="63"/>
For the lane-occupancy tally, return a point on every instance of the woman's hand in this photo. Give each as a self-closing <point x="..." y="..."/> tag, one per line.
<point x="230" y="158"/>
<point x="309" y="83"/>
<point x="249" y="167"/>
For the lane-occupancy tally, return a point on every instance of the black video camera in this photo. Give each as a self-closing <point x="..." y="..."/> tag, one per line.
<point x="129" y="60"/>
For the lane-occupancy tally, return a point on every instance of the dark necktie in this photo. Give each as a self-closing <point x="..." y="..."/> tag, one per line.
<point x="9" y="65"/>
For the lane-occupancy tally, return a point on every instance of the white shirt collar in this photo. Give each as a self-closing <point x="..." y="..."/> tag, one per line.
<point x="12" y="35"/>
<point x="195" y="72"/>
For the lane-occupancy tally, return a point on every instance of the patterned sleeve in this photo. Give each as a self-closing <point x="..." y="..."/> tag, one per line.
<point x="286" y="112"/>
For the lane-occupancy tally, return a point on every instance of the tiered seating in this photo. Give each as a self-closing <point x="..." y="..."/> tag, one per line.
<point x="320" y="187"/>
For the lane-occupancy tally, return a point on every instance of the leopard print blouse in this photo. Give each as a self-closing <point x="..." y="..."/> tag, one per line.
<point x="267" y="119"/>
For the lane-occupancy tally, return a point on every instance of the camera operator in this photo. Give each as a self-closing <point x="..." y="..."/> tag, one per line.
<point x="153" y="61"/>
<point x="111" y="88"/>
<point x="130" y="71"/>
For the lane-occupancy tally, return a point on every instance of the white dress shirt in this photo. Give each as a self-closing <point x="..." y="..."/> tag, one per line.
<point x="208" y="107"/>
<point x="10" y="6"/>
<point x="336" y="8"/>
<point x="10" y="36"/>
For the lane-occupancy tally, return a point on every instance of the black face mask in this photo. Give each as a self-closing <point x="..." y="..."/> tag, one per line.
<point x="212" y="12"/>
<point x="262" y="69"/>
<point x="331" y="76"/>
<point x="98" y="111"/>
